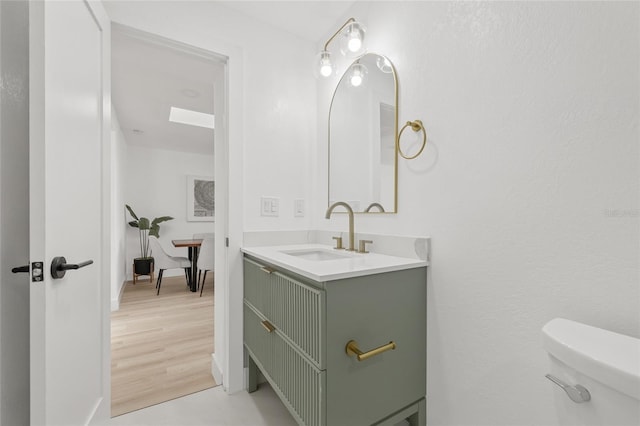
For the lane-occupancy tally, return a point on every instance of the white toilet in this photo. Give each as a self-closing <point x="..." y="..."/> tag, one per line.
<point x="594" y="374"/>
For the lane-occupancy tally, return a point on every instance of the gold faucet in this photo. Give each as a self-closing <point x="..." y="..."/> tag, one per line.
<point x="350" y="212"/>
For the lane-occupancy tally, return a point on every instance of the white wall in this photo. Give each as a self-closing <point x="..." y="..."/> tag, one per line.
<point x="529" y="186"/>
<point x="271" y="127"/>
<point x="119" y="225"/>
<point x="14" y="213"/>
<point x="278" y="118"/>
<point x="156" y="185"/>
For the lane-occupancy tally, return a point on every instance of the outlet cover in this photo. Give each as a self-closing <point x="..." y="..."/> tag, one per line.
<point x="298" y="207"/>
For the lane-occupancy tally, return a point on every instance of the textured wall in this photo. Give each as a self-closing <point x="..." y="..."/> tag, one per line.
<point x="529" y="186"/>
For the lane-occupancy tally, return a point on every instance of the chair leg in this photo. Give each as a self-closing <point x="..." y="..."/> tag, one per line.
<point x="159" y="282"/>
<point x="187" y="276"/>
<point x="200" y="276"/>
<point x="203" y="280"/>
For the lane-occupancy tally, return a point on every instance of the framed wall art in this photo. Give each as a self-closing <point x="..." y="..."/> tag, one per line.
<point x="200" y="199"/>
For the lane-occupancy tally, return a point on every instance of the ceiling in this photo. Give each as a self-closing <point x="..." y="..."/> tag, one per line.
<point x="149" y="78"/>
<point x="311" y="20"/>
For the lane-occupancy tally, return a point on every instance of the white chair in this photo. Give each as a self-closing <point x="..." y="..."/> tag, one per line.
<point x="163" y="261"/>
<point x="206" y="259"/>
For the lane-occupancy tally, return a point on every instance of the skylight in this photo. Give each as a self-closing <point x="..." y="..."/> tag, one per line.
<point x="192" y="118"/>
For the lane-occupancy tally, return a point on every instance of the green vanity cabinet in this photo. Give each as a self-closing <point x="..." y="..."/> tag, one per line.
<point x="296" y="331"/>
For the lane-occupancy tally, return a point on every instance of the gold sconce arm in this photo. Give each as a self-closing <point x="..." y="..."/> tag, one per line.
<point x="326" y="45"/>
<point x="416" y="126"/>
<point x="352" y="349"/>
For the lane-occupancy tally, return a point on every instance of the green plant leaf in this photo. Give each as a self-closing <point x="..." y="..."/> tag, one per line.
<point x="161" y="219"/>
<point x="155" y="230"/>
<point x="133" y="215"/>
<point x="133" y="223"/>
<point x="143" y="223"/>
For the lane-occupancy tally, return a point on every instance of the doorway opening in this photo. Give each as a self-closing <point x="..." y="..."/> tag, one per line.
<point x="162" y="343"/>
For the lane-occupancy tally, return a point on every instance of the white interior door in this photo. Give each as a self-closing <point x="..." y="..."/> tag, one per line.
<point x="67" y="338"/>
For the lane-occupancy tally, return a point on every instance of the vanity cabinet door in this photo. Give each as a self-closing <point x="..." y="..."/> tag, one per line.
<point x="375" y="310"/>
<point x="299" y="383"/>
<point x="295" y="308"/>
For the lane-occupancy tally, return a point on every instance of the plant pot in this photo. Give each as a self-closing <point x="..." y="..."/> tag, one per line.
<point x="143" y="265"/>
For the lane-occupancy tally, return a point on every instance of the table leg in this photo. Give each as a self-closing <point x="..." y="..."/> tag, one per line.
<point x="193" y="256"/>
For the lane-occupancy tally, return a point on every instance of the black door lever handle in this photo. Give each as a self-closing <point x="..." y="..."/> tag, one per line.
<point x="59" y="266"/>
<point x="24" y="268"/>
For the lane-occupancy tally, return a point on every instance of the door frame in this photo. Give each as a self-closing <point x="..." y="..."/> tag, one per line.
<point x="100" y="15"/>
<point x="227" y="360"/>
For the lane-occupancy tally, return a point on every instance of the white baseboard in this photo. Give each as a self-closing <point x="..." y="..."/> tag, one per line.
<point x="115" y="303"/>
<point x="216" y="371"/>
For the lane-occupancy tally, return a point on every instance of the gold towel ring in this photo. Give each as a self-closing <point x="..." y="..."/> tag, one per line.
<point x="416" y="126"/>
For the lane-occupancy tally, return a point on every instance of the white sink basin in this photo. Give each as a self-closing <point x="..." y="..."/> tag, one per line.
<point x="317" y="255"/>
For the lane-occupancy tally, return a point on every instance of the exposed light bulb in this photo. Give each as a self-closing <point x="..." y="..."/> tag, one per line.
<point x="354" y="43"/>
<point x="357" y="74"/>
<point x="352" y="40"/>
<point x="324" y="67"/>
<point x="356" y="80"/>
<point x="325" y="70"/>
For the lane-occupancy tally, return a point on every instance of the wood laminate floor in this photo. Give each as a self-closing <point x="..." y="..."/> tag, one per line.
<point x="161" y="346"/>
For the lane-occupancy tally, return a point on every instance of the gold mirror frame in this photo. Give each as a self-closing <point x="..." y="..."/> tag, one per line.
<point x="375" y="203"/>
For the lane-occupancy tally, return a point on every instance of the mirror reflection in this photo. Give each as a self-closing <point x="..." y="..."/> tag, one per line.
<point x="362" y="134"/>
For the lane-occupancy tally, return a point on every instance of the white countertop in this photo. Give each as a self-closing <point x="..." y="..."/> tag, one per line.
<point x="350" y="264"/>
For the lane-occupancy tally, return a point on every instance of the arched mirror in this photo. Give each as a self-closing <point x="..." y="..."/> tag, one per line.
<point x="363" y="124"/>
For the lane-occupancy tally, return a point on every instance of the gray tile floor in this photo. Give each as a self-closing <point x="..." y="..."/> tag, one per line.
<point x="213" y="407"/>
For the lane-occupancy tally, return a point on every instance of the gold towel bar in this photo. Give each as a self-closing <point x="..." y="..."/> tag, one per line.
<point x="352" y="349"/>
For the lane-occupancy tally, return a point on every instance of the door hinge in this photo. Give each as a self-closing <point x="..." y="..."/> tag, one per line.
<point x="226" y="242"/>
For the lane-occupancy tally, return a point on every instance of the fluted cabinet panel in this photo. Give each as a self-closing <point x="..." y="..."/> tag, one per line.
<point x="294" y="308"/>
<point x="296" y="380"/>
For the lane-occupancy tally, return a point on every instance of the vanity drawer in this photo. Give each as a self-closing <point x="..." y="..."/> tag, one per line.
<point x="374" y="311"/>
<point x="299" y="383"/>
<point x="297" y="310"/>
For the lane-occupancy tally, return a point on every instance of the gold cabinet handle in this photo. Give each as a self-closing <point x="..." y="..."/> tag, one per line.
<point x="352" y="349"/>
<point x="267" y="270"/>
<point x="268" y="326"/>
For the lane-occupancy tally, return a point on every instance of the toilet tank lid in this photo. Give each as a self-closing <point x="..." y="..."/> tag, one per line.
<point x="610" y="358"/>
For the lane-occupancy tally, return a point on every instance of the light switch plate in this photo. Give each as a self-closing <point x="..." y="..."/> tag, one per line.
<point x="269" y="206"/>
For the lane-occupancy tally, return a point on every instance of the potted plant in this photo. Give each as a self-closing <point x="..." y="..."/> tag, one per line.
<point x="143" y="265"/>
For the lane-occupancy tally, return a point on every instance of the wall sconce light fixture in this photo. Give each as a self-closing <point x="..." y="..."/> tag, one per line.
<point x="351" y="44"/>
<point x="357" y="74"/>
